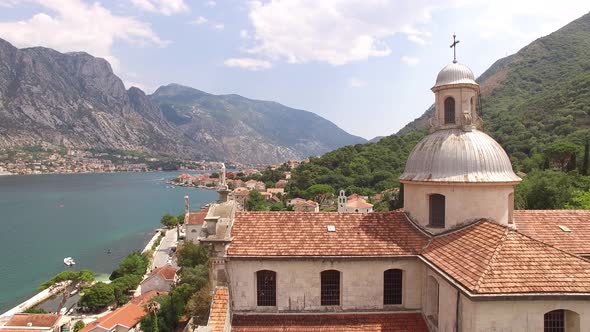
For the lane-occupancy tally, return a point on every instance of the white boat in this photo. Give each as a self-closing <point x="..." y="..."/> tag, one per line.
<point x="69" y="261"/>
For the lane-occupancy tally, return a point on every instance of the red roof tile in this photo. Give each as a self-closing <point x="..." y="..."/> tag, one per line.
<point x="128" y="315"/>
<point x="36" y="320"/>
<point x="196" y="218"/>
<point x="167" y="272"/>
<point x="387" y="322"/>
<point x="219" y="309"/>
<point x="306" y="234"/>
<point x="487" y="258"/>
<point x="544" y="225"/>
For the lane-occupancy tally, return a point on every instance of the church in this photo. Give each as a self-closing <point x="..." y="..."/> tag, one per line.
<point x="457" y="257"/>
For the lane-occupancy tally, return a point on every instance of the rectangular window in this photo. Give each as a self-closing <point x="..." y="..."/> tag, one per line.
<point x="330" y="288"/>
<point x="266" y="284"/>
<point x="392" y="286"/>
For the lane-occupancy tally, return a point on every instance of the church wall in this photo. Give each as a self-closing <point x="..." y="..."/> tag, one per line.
<point x="298" y="283"/>
<point x="462" y="202"/>
<point x="519" y="316"/>
<point x="447" y="302"/>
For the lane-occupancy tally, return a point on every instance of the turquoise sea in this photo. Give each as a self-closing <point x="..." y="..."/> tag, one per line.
<point x="44" y="218"/>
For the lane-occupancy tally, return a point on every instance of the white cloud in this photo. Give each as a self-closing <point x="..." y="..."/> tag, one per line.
<point x="76" y="26"/>
<point x="248" y="63"/>
<point x="333" y="31"/>
<point x="164" y="7"/>
<point x="354" y="82"/>
<point x="8" y="3"/>
<point x="211" y="3"/>
<point x="199" y="20"/>
<point x="416" y="39"/>
<point x="410" y="60"/>
<point x="218" y="26"/>
<point x="244" y="34"/>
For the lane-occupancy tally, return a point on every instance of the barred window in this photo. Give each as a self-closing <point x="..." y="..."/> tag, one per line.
<point x="437" y="211"/>
<point x="330" y="287"/>
<point x="392" y="286"/>
<point x="266" y="290"/>
<point x="554" y="321"/>
<point x="449" y="110"/>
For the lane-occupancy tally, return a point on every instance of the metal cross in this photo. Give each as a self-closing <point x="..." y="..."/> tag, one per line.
<point x="454" y="47"/>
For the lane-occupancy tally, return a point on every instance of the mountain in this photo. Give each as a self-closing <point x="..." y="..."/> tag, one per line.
<point x="74" y="100"/>
<point x="240" y="128"/>
<point x="51" y="99"/>
<point x="533" y="102"/>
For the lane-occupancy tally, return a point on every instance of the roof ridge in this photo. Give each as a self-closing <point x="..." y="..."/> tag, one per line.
<point x="489" y="264"/>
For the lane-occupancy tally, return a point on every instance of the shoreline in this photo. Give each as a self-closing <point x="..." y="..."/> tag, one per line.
<point x="48" y="293"/>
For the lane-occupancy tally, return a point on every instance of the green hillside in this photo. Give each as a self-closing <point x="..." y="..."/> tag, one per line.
<point x="535" y="103"/>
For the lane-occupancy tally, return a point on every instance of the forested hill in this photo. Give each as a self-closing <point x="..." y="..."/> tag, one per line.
<point x="535" y="103"/>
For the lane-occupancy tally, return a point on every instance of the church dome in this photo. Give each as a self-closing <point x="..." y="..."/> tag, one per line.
<point x="455" y="73"/>
<point x="454" y="155"/>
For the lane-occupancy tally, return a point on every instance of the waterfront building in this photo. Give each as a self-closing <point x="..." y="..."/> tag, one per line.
<point x="160" y="279"/>
<point x="457" y="257"/>
<point x="24" y="322"/>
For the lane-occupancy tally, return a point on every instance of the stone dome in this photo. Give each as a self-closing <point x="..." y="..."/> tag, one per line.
<point x="454" y="155"/>
<point x="455" y="73"/>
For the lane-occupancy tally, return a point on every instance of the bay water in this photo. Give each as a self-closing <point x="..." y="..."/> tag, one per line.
<point x="44" y="218"/>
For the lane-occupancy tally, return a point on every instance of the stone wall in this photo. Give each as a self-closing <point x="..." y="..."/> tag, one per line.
<point x="298" y="283"/>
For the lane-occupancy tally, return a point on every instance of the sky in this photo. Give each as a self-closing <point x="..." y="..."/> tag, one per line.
<point x="366" y="65"/>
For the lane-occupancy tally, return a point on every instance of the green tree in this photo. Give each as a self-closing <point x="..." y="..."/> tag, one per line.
<point x="74" y="280"/>
<point x="256" y="202"/>
<point x="196" y="276"/>
<point x="180" y="218"/>
<point x="99" y="296"/>
<point x="586" y="157"/>
<point x="135" y="263"/>
<point x="35" y="310"/>
<point x="580" y="200"/>
<point x="192" y="255"/>
<point x="198" y="306"/>
<point x="123" y="285"/>
<point x="78" y="326"/>
<point x="561" y="152"/>
<point x="320" y="193"/>
<point x="169" y="220"/>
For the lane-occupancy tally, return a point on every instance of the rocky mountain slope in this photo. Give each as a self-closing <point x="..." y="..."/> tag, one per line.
<point x="235" y="126"/>
<point x="75" y="100"/>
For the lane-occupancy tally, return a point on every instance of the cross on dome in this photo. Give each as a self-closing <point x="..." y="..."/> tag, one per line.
<point x="454" y="47"/>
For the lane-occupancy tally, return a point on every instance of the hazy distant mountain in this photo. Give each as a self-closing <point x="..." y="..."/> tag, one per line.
<point x="53" y="99"/>
<point x="241" y="128"/>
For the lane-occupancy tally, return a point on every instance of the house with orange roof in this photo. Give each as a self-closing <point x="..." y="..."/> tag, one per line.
<point x="23" y="322"/>
<point x="306" y="206"/>
<point x="160" y="279"/>
<point x="457" y="257"/>
<point x="281" y="183"/>
<point x="193" y="224"/>
<point x="125" y="318"/>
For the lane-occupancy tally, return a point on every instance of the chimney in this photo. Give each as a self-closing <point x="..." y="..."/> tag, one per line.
<point x="29" y="324"/>
<point x="211" y="223"/>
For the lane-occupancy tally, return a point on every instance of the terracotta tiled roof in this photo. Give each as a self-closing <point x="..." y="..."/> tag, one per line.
<point x="167" y="272"/>
<point x="390" y="322"/>
<point x="21" y="330"/>
<point x="128" y="315"/>
<point x="196" y="218"/>
<point x="145" y="298"/>
<point x="357" y="201"/>
<point x="38" y="320"/>
<point x="219" y="309"/>
<point x="306" y="234"/>
<point x="487" y="258"/>
<point x="544" y="225"/>
<point x="306" y="203"/>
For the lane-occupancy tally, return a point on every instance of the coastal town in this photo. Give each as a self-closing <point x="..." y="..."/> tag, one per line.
<point x="68" y="161"/>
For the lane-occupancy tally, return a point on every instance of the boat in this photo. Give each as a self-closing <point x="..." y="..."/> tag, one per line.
<point x="69" y="261"/>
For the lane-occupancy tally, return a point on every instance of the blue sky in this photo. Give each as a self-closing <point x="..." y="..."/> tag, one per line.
<point x="366" y="65"/>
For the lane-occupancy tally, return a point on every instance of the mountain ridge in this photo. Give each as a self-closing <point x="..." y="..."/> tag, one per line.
<point x="48" y="98"/>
